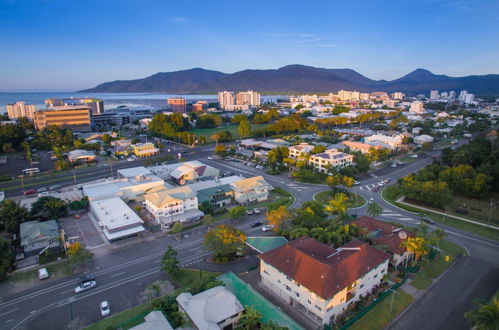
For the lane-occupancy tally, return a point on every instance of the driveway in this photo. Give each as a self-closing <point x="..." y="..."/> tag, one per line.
<point x="82" y="230"/>
<point x="444" y="304"/>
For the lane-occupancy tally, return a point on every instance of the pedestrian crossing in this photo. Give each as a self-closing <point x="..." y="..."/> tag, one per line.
<point x="297" y="187"/>
<point x="369" y="187"/>
<point x="397" y="216"/>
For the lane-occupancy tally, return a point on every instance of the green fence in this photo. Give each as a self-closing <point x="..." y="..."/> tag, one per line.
<point x="366" y="309"/>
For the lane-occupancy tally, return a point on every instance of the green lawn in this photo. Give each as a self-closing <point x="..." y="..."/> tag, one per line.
<point x="208" y="132"/>
<point x="462" y="225"/>
<point x="380" y="316"/>
<point x="184" y="280"/>
<point x="356" y="200"/>
<point x="56" y="269"/>
<point x="425" y="275"/>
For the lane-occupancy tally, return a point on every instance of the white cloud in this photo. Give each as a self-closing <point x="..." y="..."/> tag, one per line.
<point x="180" y="19"/>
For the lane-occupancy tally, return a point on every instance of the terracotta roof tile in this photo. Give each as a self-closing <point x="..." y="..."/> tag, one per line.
<point x="321" y="268"/>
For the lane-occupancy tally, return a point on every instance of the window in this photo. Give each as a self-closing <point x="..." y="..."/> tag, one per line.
<point x="278" y="281"/>
<point x="375" y="276"/>
<point x="297" y="294"/>
<point x="361" y="286"/>
<point x="288" y="288"/>
<point x="318" y="307"/>
<point x="309" y="301"/>
<point x="266" y="272"/>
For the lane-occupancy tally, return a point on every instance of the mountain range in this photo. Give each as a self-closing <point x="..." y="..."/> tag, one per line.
<point x="297" y="79"/>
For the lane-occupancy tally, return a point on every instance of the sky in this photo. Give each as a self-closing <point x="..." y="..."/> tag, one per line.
<point x="74" y="44"/>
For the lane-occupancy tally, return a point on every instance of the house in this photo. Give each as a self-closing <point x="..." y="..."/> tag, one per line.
<point x="300" y="150"/>
<point x="387" y="235"/>
<point x="144" y="149"/>
<point x="322" y="280"/>
<point x="115" y="218"/>
<point x="217" y="196"/>
<point x="121" y="147"/>
<point x="250" y="190"/>
<point x="422" y="139"/>
<point x="173" y="205"/>
<point x="81" y="155"/>
<point x="359" y="146"/>
<point x="38" y="236"/>
<point x="155" y="320"/>
<point x="216" y="308"/>
<point x="330" y="158"/>
<point x="391" y="141"/>
<point x="182" y="173"/>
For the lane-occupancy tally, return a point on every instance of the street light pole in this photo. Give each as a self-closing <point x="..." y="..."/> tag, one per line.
<point x="391" y="301"/>
<point x="22" y="184"/>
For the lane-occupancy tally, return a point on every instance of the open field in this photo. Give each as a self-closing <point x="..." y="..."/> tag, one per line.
<point x="208" y="132"/>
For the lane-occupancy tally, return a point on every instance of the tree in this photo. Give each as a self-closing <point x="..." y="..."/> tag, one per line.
<point x="169" y="262"/>
<point x="6" y="257"/>
<point x="220" y="150"/>
<point x="278" y="218"/>
<point x="11" y="215"/>
<point x="416" y="245"/>
<point x="244" y="129"/>
<point x="438" y="235"/>
<point x="486" y="316"/>
<point x="332" y="181"/>
<point x="237" y="212"/>
<point x="78" y="255"/>
<point x="138" y="209"/>
<point x="27" y="150"/>
<point x="373" y="209"/>
<point x="50" y="207"/>
<point x="250" y="319"/>
<point x="206" y="207"/>
<point x="338" y="204"/>
<point x="225" y="241"/>
<point x="177" y="228"/>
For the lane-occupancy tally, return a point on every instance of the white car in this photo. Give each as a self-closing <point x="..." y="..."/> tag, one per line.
<point x="44" y="194"/>
<point x="43" y="273"/>
<point x="256" y="210"/>
<point x="210" y="158"/>
<point x="85" y="286"/>
<point x="380" y="184"/>
<point x="130" y="159"/>
<point x="356" y="183"/>
<point x="414" y="156"/>
<point x="267" y="228"/>
<point x="42" y="189"/>
<point x="393" y="165"/>
<point x="105" y="310"/>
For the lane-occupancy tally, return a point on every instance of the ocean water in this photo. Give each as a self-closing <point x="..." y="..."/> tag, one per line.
<point x="111" y="100"/>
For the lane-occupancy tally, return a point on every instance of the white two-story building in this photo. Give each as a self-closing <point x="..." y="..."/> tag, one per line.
<point x="330" y="158"/>
<point x="250" y="190"/>
<point x="300" y="150"/>
<point x="320" y="279"/>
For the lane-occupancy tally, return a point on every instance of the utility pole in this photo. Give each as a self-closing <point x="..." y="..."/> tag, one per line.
<point x="74" y="175"/>
<point x="22" y="185"/>
<point x="391" y="301"/>
<point x="490" y="211"/>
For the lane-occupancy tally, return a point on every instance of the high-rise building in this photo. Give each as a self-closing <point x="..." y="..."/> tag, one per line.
<point x="452" y="95"/>
<point x="397" y="96"/>
<point x="364" y="96"/>
<point x="225" y="98"/>
<point x="248" y="98"/>
<point x="462" y="95"/>
<point x="96" y="105"/>
<point x="21" y="109"/>
<point x="70" y="116"/>
<point x="178" y="104"/>
<point x="469" y="98"/>
<point x="417" y="107"/>
<point x="434" y="95"/>
<point x="444" y="95"/>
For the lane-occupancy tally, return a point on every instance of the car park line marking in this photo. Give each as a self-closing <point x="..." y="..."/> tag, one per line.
<point x="15" y="309"/>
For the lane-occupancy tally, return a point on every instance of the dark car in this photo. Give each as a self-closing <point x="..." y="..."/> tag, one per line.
<point x="428" y="220"/>
<point x="256" y="224"/>
<point x="376" y="189"/>
<point x="86" y="278"/>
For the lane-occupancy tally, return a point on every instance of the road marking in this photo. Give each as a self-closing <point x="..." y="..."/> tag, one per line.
<point x="33" y="311"/>
<point x="64" y="292"/>
<point x="119" y="274"/>
<point x="9" y="312"/>
<point x="9" y="320"/>
<point x="367" y="187"/>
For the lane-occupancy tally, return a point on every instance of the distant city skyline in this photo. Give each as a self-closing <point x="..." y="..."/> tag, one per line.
<point x="67" y="45"/>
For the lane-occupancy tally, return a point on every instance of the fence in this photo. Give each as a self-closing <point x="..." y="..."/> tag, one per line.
<point x="366" y="309"/>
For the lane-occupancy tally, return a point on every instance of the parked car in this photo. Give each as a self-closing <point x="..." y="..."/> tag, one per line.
<point x="428" y="220"/>
<point x="42" y="189"/>
<point x="256" y="210"/>
<point x="130" y="159"/>
<point x="43" y="273"/>
<point x="54" y="187"/>
<point x="85" y="286"/>
<point x="30" y="192"/>
<point x="393" y="165"/>
<point x="376" y="189"/>
<point x="267" y="228"/>
<point x="356" y="183"/>
<point x="44" y="194"/>
<point x="249" y="212"/>
<point x="210" y="158"/>
<point x="105" y="310"/>
<point x="86" y="278"/>
<point x="256" y="224"/>
<point x="260" y="167"/>
<point x="414" y="156"/>
<point x="381" y="184"/>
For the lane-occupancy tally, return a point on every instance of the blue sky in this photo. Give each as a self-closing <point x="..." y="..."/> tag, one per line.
<point x="73" y="44"/>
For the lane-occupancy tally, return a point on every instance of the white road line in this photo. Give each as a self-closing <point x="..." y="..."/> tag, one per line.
<point x="9" y="320"/>
<point x="361" y="188"/>
<point x="64" y="292"/>
<point x="118" y="274"/>
<point x="367" y="187"/>
<point x="15" y="309"/>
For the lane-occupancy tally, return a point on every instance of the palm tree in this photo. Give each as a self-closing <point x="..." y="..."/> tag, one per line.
<point x="12" y="214"/>
<point x="486" y="316"/>
<point x="298" y="232"/>
<point x="439" y="234"/>
<point x="332" y="181"/>
<point x="339" y="205"/>
<point x="250" y="319"/>
<point x="373" y="209"/>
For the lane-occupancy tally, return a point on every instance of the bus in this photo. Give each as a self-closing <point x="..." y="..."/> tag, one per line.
<point x="31" y="170"/>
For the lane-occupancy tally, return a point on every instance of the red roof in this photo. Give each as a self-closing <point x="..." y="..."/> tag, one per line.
<point x="321" y="268"/>
<point x="389" y="235"/>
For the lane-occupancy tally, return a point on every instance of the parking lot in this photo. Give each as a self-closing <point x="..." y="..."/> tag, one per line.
<point x="83" y="230"/>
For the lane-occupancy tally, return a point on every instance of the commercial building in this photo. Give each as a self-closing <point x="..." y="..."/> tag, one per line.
<point x="173" y="205"/>
<point x="349" y="95"/>
<point x="397" y="96"/>
<point x="225" y="99"/>
<point x="422" y="139"/>
<point x="249" y="98"/>
<point x="213" y="309"/>
<point x="321" y="280"/>
<point x="81" y="156"/>
<point x="250" y="190"/>
<point x="381" y="233"/>
<point x="177" y="104"/>
<point x="330" y="158"/>
<point x="300" y="150"/>
<point x="417" y="107"/>
<point x="434" y="95"/>
<point x="38" y="236"/>
<point x="69" y="116"/>
<point x="21" y="109"/>
<point x="146" y="149"/>
<point x="96" y="105"/>
<point x="186" y="172"/>
<point x="359" y="146"/>
<point x="390" y="141"/>
<point x="115" y="218"/>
